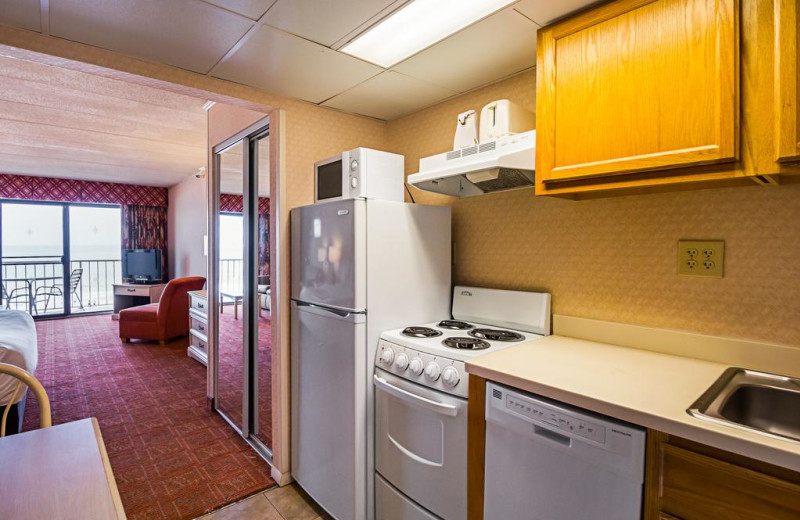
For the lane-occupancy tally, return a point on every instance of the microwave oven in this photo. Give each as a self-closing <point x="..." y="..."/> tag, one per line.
<point x="360" y="173"/>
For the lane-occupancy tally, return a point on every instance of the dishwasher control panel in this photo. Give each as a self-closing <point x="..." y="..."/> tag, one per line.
<point x="540" y="412"/>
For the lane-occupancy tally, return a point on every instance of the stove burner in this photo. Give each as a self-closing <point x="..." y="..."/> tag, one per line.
<point x="421" y="332"/>
<point x="496" y="335"/>
<point x="454" y="325"/>
<point x="466" y="343"/>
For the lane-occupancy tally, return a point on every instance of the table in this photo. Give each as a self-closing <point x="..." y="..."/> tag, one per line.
<point x="128" y="295"/>
<point x="237" y="299"/>
<point x="58" y="473"/>
<point x="30" y="282"/>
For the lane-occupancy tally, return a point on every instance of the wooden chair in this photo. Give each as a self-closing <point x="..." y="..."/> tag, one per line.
<point x="26" y="379"/>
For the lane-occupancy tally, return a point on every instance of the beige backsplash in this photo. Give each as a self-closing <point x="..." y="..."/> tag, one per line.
<point x="615" y="258"/>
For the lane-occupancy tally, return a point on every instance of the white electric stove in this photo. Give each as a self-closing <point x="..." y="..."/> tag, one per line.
<point x="421" y="393"/>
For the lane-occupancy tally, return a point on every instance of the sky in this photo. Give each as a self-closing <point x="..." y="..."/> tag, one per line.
<point x="231" y="236"/>
<point x="96" y="234"/>
<point x="37" y="229"/>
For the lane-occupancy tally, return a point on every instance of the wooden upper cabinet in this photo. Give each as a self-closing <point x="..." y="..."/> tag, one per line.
<point x="787" y="26"/>
<point x="637" y="86"/>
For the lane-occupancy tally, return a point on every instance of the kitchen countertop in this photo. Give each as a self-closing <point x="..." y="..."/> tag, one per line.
<point x="647" y="388"/>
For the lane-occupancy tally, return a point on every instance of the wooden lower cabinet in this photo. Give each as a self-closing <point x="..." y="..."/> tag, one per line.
<point x="476" y="446"/>
<point x="689" y="481"/>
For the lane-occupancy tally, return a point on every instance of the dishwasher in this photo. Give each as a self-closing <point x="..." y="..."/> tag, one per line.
<point x="546" y="460"/>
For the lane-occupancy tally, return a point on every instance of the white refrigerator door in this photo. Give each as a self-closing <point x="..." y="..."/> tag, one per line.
<point x="328" y="437"/>
<point x="329" y="254"/>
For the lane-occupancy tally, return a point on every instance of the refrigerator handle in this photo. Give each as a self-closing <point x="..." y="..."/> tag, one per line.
<point x="341" y="314"/>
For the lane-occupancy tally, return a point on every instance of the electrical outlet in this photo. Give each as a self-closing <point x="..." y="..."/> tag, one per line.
<point x="701" y="258"/>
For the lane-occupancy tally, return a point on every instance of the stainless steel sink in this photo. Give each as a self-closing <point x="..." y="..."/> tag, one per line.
<point x="751" y="400"/>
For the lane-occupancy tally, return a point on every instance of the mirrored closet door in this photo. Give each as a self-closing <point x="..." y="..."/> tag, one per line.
<point x="241" y="313"/>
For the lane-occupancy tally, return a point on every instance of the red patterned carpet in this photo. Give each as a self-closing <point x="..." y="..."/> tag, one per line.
<point x="230" y="371"/>
<point x="172" y="457"/>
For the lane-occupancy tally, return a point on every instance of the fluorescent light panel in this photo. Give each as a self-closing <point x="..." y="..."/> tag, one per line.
<point x="418" y="25"/>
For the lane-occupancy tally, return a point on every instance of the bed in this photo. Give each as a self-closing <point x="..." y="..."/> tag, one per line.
<point x="18" y="346"/>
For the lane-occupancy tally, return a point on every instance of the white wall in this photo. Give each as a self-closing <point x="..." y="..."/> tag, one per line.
<point x="187" y="225"/>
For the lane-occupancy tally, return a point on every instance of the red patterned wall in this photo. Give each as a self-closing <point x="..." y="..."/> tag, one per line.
<point x="232" y="203"/>
<point x="69" y="190"/>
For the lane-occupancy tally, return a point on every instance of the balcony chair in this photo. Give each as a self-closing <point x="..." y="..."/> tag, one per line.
<point x="20" y="293"/>
<point x="25" y="379"/>
<point x="162" y="321"/>
<point x="55" y="290"/>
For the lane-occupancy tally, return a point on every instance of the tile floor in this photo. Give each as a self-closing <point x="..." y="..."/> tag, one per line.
<point x="279" y="503"/>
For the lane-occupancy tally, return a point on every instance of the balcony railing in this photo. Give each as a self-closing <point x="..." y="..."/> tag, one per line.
<point x="230" y="274"/>
<point x="26" y="277"/>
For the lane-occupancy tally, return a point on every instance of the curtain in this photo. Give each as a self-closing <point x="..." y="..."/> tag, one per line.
<point x="145" y="227"/>
<point x="263" y="244"/>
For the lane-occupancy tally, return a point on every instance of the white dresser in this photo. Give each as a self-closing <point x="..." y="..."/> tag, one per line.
<point x="198" y="326"/>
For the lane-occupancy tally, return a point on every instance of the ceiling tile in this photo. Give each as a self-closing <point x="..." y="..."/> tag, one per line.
<point x="21" y="13"/>
<point x="545" y="11"/>
<point x="324" y="21"/>
<point x="27" y="164"/>
<point x="253" y="9"/>
<point x="184" y="33"/>
<point x="288" y="65"/>
<point x="64" y="123"/>
<point x="494" y="48"/>
<point x="389" y="96"/>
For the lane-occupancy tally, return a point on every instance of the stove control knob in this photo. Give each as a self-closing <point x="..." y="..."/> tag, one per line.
<point x="401" y="363"/>
<point x="416" y="366"/>
<point x="450" y="376"/>
<point x="387" y="357"/>
<point x="432" y="371"/>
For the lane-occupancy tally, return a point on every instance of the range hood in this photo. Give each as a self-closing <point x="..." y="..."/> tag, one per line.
<point x="504" y="164"/>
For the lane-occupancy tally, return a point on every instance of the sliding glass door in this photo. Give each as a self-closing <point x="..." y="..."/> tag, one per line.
<point x="95" y="248"/>
<point x="59" y="258"/>
<point x="33" y="258"/>
<point x="231" y="355"/>
<point x="240" y="279"/>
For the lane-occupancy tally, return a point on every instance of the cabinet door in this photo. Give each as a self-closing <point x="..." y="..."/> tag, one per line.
<point x="697" y="487"/>
<point x="787" y="20"/>
<point x="638" y="85"/>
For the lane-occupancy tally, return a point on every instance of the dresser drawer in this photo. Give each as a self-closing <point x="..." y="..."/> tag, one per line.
<point x="199" y="304"/>
<point x="198" y="341"/>
<point x="126" y="290"/>
<point x="198" y="324"/>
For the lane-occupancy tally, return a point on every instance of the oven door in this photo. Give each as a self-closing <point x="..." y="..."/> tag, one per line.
<point x="421" y="444"/>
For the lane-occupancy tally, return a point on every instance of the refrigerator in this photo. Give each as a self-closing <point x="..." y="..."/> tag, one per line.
<point x="359" y="267"/>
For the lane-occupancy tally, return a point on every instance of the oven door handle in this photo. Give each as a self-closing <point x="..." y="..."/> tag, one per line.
<point x="428" y="404"/>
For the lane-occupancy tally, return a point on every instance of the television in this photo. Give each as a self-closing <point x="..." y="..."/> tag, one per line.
<point x="141" y="265"/>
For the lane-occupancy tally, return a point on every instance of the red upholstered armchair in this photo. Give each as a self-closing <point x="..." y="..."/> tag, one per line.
<point x="167" y="319"/>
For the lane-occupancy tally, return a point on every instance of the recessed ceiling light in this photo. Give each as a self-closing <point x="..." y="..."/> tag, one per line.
<point x="419" y="24"/>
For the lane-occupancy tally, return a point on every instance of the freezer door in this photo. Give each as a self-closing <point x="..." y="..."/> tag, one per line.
<point x="328" y="408"/>
<point x="329" y="254"/>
